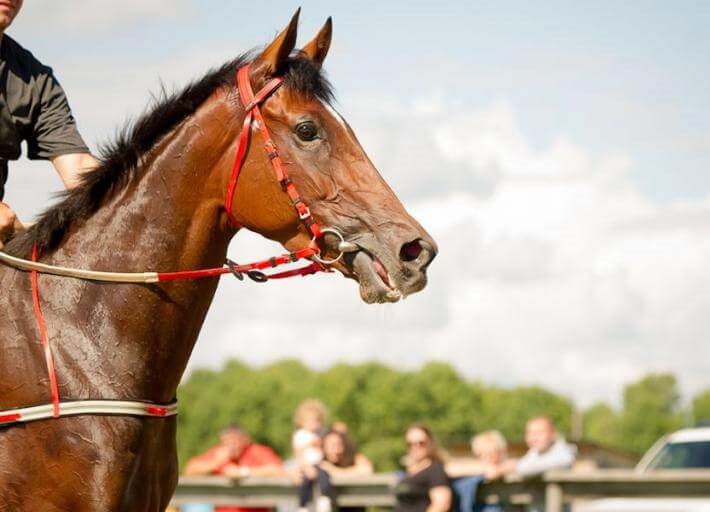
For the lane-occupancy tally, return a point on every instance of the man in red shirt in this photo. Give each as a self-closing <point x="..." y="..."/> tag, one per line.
<point x="236" y="457"/>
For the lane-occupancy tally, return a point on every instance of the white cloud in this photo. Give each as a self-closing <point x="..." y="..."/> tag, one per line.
<point x="562" y="273"/>
<point x="69" y="16"/>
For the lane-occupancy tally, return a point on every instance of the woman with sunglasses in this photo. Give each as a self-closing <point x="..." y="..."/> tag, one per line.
<point x="425" y="488"/>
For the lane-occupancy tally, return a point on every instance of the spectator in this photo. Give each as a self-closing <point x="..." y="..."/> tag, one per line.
<point x="490" y="452"/>
<point x="425" y="488"/>
<point x="236" y="457"/>
<point x="341" y="456"/>
<point x="546" y="449"/>
<point x="309" y="422"/>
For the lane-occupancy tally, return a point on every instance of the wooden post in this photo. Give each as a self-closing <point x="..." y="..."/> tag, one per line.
<point x="554" y="498"/>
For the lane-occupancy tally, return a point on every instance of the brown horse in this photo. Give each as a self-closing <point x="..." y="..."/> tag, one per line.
<point x="157" y="202"/>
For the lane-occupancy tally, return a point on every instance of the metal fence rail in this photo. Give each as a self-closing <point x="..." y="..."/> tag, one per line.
<point x="549" y="492"/>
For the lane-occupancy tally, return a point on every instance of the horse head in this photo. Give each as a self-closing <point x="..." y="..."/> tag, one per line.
<point x="389" y="250"/>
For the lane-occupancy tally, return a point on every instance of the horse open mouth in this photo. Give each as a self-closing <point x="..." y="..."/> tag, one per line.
<point x="376" y="283"/>
<point x="383" y="275"/>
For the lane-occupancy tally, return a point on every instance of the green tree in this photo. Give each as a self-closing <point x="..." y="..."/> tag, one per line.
<point x="508" y="410"/>
<point x="376" y="401"/>
<point x="701" y="407"/>
<point x="651" y="409"/>
<point x="601" y="424"/>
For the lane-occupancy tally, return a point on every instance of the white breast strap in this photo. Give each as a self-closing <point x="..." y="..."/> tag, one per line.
<point x="77" y="407"/>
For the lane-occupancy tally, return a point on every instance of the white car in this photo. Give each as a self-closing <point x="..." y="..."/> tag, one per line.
<point x="685" y="449"/>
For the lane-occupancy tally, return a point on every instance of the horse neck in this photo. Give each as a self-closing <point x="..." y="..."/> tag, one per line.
<point x="172" y="218"/>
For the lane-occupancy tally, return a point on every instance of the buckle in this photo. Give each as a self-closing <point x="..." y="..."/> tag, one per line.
<point x="306" y="214"/>
<point x="232" y="266"/>
<point x="257" y="276"/>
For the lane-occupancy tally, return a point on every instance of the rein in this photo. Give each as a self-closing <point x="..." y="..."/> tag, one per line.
<point x="253" y="270"/>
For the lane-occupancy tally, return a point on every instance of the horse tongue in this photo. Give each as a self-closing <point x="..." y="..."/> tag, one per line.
<point x="372" y="285"/>
<point x="381" y="271"/>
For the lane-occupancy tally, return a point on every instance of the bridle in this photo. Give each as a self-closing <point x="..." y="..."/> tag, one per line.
<point x="253" y="117"/>
<point x="254" y="270"/>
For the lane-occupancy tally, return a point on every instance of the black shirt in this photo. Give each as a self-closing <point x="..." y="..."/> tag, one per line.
<point x="412" y="492"/>
<point x="33" y="108"/>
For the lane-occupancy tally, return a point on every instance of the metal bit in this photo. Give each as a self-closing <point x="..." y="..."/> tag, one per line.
<point x="348" y="247"/>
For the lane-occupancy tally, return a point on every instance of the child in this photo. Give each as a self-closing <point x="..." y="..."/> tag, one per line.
<point x="309" y="423"/>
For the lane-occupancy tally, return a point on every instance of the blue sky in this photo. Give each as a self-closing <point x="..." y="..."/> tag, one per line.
<point x="618" y="75"/>
<point x="562" y="149"/>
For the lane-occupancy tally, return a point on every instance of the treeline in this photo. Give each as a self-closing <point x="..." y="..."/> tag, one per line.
<point x="378" y="402"/>
<point x="651" y="407"/>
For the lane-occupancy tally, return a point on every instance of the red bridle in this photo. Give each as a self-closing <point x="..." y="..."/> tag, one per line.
<point x="252" y="117"/>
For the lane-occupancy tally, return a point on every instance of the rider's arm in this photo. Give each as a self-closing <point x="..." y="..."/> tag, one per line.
<point x="72" y="165"/>
<point x="54" y="135"/>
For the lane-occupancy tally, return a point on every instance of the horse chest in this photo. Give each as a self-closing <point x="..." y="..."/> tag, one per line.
<point x="117" y="464"/>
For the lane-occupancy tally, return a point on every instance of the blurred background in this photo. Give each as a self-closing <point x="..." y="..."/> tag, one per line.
<point x="558" y="153"/>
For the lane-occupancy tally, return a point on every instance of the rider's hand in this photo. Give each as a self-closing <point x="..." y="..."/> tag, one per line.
<point x="8" y="223"/>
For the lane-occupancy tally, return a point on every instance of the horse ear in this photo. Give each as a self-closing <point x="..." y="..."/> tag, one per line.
<point x="318" y="48"/>
<point x="273" y="58"/>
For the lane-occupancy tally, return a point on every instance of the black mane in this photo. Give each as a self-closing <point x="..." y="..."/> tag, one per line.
<point x="119" y="159"/>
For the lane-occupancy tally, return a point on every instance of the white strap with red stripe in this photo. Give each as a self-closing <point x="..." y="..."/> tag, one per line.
<point x="77" y="407"/>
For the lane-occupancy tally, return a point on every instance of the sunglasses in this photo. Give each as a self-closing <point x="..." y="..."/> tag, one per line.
<point x="419" y="444"/>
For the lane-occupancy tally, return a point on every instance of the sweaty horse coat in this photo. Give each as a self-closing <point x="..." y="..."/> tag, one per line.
<point x="157" y="202"/>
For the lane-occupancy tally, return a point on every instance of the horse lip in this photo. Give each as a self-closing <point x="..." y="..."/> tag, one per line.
<point x="376" y="284"/>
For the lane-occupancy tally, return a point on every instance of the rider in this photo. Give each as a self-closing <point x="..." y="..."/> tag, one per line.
<point x="34" y="109"/>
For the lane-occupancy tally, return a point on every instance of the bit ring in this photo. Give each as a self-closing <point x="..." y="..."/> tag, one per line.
<point x="341" y="244"/>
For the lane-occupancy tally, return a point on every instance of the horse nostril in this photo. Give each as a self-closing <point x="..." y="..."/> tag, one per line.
<point x="410" y="251"/>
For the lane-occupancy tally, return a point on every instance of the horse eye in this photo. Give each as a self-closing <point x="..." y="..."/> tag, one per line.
<point x="307" y="131"/>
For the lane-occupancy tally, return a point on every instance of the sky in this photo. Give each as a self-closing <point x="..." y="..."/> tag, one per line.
<point x="558" y="153"/>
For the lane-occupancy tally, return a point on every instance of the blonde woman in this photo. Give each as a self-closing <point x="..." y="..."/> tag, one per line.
<point x="490" y="452"/>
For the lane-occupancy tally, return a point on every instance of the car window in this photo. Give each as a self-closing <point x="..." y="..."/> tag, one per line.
<point x="682" y="455"/>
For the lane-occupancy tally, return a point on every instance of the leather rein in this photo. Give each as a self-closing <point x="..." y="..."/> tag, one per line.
<point x="251" y="102"/>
